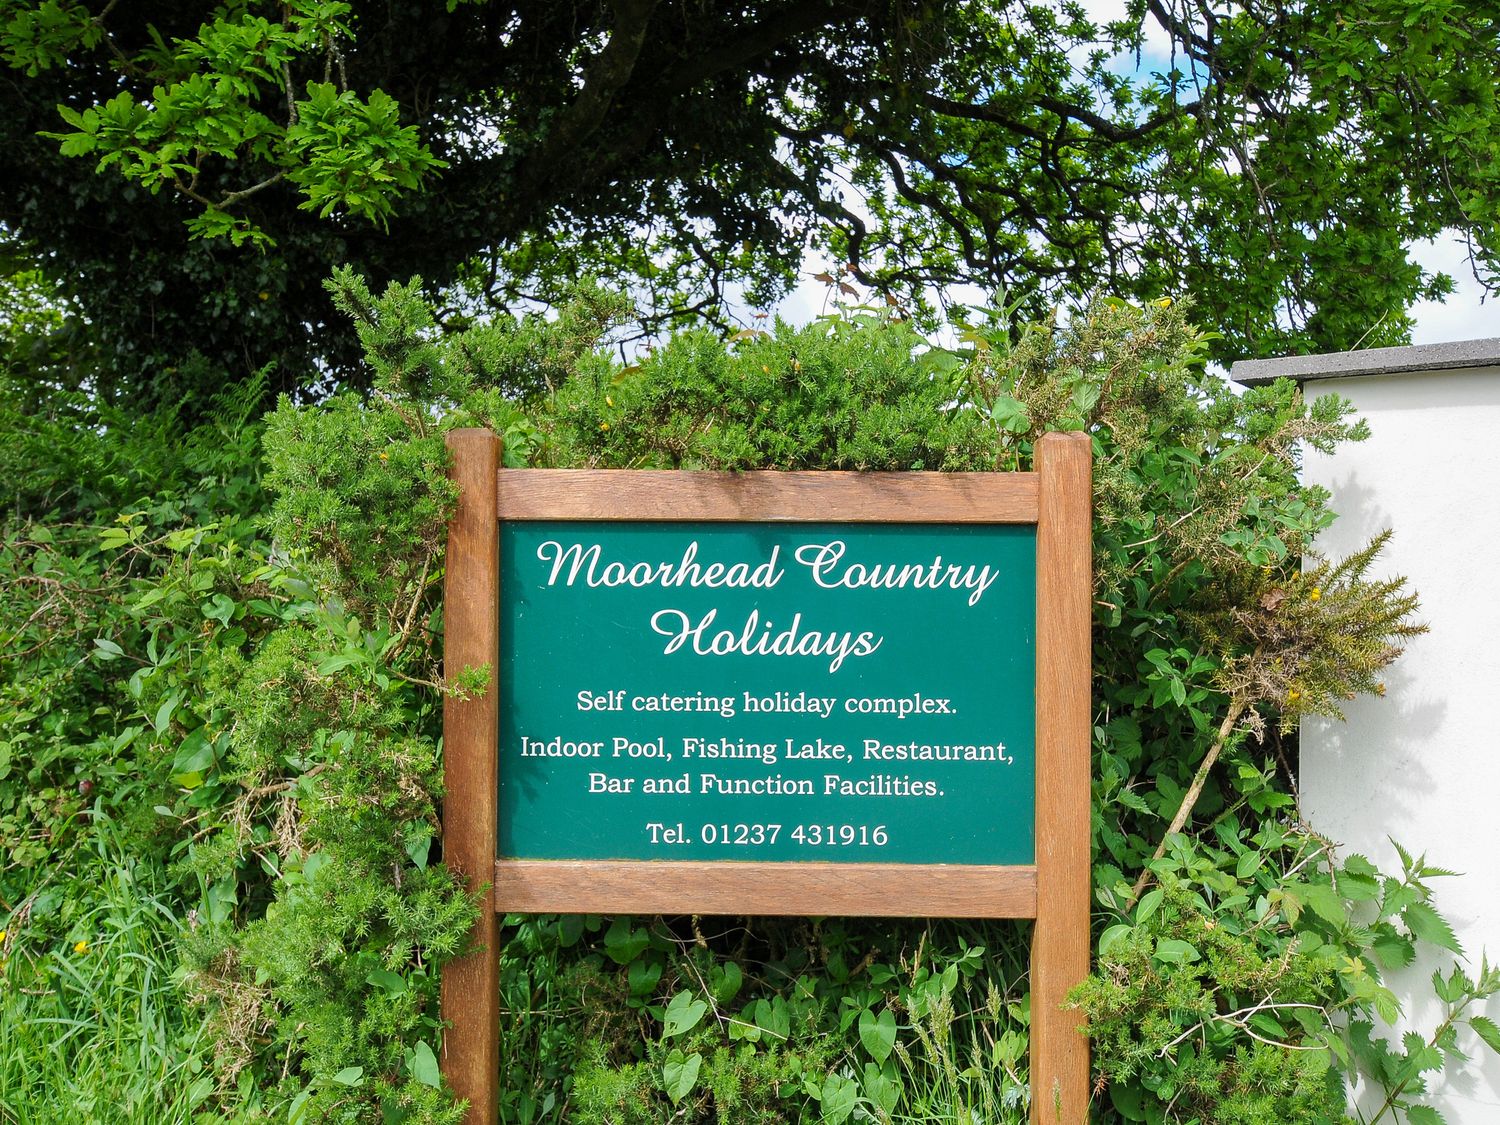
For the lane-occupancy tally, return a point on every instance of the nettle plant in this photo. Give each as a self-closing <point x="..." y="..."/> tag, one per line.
<point x="1241" y="962"/>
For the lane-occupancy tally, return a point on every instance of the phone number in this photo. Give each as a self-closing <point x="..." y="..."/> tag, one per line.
<point x="808" y="835"/>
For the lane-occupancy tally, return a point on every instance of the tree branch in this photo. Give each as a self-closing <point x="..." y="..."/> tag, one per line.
<point x="607" y="75"/>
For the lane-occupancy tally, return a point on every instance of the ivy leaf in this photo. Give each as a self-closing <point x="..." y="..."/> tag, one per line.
<point x="680" y="1074"/>
<point x="682" y="1014"/>
<point x="1426" y="924"/>
<point x="878" y="1033"/>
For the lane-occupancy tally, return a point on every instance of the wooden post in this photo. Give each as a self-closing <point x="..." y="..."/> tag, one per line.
<point x="471" y="984"/>
<point x="1061" y="942"/>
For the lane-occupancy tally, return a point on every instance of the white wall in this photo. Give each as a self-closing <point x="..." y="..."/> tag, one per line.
<point x="1422" y="765"/>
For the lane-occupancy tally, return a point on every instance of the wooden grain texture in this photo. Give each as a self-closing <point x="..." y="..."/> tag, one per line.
<point x="872" y="890"/>
<point x="1061" y="943"/>
<point x="471" y="984"/>
<point x="634" y="494"/>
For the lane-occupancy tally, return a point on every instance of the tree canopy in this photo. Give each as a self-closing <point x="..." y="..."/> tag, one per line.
<point x="189" y="175"/>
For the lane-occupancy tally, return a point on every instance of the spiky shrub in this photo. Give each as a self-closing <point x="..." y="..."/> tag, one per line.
<point x="1208" y="887"/>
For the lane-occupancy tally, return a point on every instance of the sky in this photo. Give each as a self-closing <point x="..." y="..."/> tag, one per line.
<point x="1465" y="315"/>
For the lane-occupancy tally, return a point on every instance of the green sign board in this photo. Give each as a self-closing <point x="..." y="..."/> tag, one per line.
<point x="840" y="692"/>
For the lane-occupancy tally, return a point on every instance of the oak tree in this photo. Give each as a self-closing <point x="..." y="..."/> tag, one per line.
<point x="191" y="173"/>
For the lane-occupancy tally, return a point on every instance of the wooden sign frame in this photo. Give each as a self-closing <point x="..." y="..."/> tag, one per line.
<point x="1056" y="498"/>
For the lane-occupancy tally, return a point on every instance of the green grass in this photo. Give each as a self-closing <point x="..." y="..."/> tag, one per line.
<point x="97" y="1034"/>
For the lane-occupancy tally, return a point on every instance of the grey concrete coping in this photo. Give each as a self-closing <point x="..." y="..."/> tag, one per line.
<point x="1371" y="361"/>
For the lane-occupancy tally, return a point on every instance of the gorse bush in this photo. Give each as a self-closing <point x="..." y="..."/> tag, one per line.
<point x="258" y="707"/>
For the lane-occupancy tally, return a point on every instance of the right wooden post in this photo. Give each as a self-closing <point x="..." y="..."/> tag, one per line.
<point x="1061" y="942"/>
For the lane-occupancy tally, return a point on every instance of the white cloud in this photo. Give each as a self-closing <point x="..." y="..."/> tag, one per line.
<point x="1465" y="315"/>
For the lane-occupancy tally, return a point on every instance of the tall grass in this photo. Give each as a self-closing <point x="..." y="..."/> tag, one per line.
<point x="962" y="1057"/>
<point x="92" y="1028"/>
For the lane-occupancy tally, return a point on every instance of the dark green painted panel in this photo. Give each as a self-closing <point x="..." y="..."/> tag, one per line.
<point x="901" y="723"/>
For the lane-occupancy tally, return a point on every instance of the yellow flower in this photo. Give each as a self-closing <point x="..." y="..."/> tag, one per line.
<point x="80" y="947"/>
<point x="764" y="368"/>
<point x="383" y="455"/>
<point x="608" y="401"/>
<point x="1293" y="695"/>
<point x="2" y="935"/>
<point x="603" y="426"/>
<point x="1317" y="592"/>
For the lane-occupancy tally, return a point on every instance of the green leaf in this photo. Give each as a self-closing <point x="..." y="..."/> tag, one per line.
<point x="1488" y="1030"/>
<point x="1395" y="951"/>
<point x="1426" y="924"/>
<point x="1010" y="414"/>
<point x="840" y="1096"/>
<point x="1149" y="904"/>
<point x="1325" y="902"/>
<point x="643" y="976"/>
<point x="623" y="943"/>
<point x="1127" y="1098"/>
<point x="878" y="1033"/>
<point x="196" y="754"/>
<point x="883" y="1091"/>
<point x="164" y="712"/>
<point x="424" y="1066"/>
<point x="329" y="665"/>
<point x="727" y="980"/>
<point x="1423" y="1115"/>
<point x="200" y="1090"/>
<point x="394" y="983"/>
<point x="107" y="649"/>
<point x="219" y="608"/>
<point x="679" y="1074"/>
<point x="1174" y="951"/>
<point x="682" y="1014"/>
<point x="350" y="1076"/>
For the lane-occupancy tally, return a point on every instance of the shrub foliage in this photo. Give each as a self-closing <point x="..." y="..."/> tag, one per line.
<point x="251" y="694"/>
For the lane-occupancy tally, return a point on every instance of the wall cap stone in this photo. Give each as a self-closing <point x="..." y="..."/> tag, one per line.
<point x="1450" y="356"/>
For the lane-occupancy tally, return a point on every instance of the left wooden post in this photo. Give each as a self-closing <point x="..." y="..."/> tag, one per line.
<point x="471" y="636"/>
